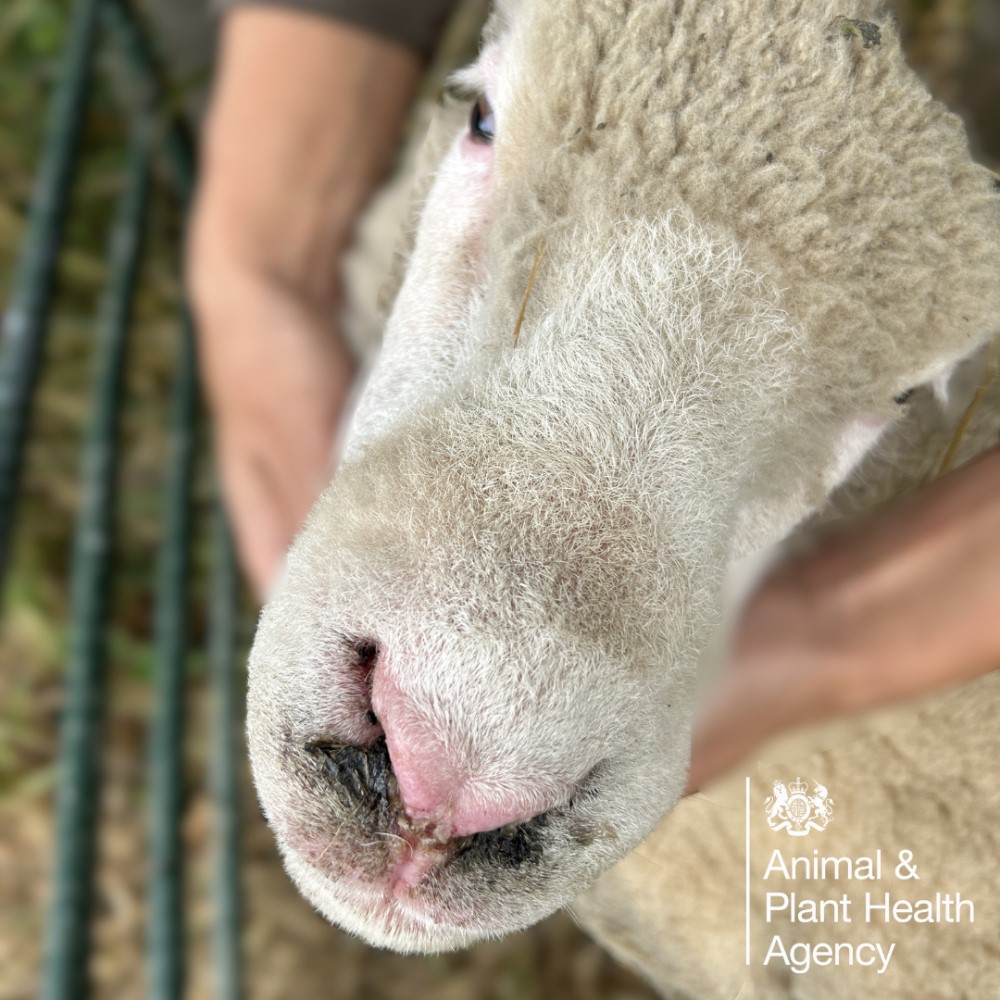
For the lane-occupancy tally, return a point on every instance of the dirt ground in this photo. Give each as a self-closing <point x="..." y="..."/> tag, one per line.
<point x="290" y="952"/>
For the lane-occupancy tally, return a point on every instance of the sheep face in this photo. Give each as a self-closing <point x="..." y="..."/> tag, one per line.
<point x="472" y="692"/>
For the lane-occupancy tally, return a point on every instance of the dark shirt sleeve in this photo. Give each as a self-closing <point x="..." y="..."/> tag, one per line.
<point x="414" y="23"/>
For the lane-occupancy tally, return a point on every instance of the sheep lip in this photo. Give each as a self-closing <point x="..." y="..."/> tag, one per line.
<point x="414" y="857"/>
<point x="395" y="904"/>
<point x="430" y="921"/>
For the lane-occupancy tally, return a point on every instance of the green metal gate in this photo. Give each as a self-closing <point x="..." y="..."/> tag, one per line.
<point x="153" y="138"/>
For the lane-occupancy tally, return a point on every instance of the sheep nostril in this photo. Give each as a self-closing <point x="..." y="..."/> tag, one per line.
<point x="364" y="652"/>
<point x="367" y="652"/>
<point x="363" y="781"/>
<point x="360" y="776"/>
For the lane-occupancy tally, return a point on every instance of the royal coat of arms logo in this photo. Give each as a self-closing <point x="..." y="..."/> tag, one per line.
<point x="796" y="810"/>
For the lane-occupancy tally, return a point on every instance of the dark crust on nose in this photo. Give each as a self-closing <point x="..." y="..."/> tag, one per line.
<point x="363" y="782"/>
<point x="512" y="846"/>
<point x="361" y="777"/>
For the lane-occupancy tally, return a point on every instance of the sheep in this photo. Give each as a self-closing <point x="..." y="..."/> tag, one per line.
<point x="670" y="287"/>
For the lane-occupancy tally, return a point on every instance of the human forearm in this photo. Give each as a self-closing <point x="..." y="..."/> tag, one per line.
<point x="907" y="602"/>
<point x="304" y="119"/>
<point x="305" y="115"/>
<point x="911" y="600"/>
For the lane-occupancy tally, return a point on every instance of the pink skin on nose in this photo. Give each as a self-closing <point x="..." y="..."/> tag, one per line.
<point x="431" y="786"/>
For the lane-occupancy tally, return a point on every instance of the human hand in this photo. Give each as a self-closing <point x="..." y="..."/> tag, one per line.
<point x="902" y="605"/>
<point x="782" y="670"/>
<point x="278" y="374"/>
<point x="304" y="118"/>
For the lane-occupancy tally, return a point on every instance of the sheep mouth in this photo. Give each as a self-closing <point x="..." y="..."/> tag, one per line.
<point x="405" y="854"/>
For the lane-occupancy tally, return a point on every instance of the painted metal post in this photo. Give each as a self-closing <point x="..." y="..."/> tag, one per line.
<point x="65" y="972"/>
<point x="25" y="320"/>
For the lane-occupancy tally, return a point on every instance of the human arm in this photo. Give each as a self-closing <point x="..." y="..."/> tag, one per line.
<point x="304" y="119"/>
<point x="906" y="603"/>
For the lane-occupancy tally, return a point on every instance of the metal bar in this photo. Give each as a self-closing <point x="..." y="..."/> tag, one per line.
<point x="226" y="726"/>
<point x="26" y="318"/>
<point x="164" y="944"/>
<point x="165" y="927"/>
<point x="165" y="938"/>
<point x="121" y="22"/>
<point x="65" y="970"/>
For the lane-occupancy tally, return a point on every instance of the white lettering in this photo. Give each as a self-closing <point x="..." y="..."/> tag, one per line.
<point x="822" y="868"/>
<point x="944" y="908"/>
<point x="801" y="956"/>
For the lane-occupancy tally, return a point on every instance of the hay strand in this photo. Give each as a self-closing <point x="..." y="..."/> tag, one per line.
<point x="527" y="292"/>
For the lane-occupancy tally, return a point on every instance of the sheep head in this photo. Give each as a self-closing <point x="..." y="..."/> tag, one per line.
<point x="746" y="230"/>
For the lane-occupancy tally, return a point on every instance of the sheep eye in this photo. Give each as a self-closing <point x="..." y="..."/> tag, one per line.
<point x="482" y="125"/>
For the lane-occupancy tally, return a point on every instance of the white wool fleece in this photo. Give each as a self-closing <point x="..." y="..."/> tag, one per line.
<point x="751" y="230"/>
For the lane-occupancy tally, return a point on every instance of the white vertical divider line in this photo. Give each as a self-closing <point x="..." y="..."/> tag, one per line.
<point x="748" y="870"/>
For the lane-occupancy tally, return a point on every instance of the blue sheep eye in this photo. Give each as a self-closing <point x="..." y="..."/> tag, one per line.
<point x="482" y="126"/>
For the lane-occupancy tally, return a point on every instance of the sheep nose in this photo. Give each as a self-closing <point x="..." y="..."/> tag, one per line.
<point x="434" y="786"/>
<point x="361" y="777"/>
